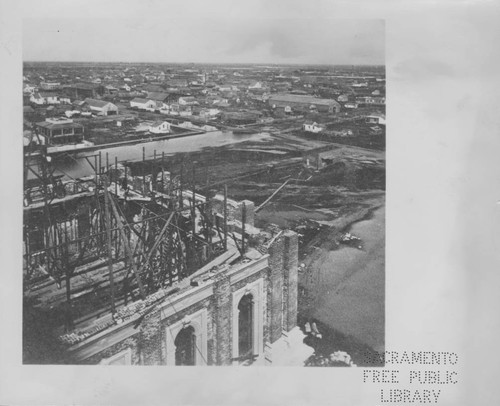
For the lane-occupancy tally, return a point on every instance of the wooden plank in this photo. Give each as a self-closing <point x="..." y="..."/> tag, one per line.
<point x="270" y="197"/>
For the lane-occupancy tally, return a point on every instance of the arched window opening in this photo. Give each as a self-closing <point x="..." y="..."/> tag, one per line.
<point x="185" y="347"/>
<point x="245" y="327"/>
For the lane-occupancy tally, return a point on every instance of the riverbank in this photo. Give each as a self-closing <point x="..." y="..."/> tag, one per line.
<point x="343" y="288"/>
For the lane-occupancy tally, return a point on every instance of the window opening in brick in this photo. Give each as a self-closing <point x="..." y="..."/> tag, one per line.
<point x="245" y="327"/>
<point x="185" y="347"/>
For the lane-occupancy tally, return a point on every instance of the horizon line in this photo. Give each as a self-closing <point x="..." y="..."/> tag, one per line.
<point x="213" y="63"/>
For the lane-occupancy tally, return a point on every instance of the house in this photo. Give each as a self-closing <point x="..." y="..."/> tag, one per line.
<point x="29" y="89"/>
<point x="71" y="113"/>
<point x="101" y="107"/>
<point x="216" y="100"/>
<point x="375" y="130"/>
<point x="110" y="89"/>
<point x="160" y="127"/>
<point x="37" y="99"/>
<point x="64" y="99"/>
<point x="44" y="98"/>
<point x="143" y="104"/>
<point x="228" y="88"/>
<point x="312" y="127"/>
<point x="304" y="103"/>
<point x="160" y="99"/>
<point x="208" y="128"/>
<point x="185" y="111"/>
<point x="59" y="131"/>
<point x="177" y="82"/>
<point x="188" y="125"/>
<point x="85" y="90"/>
<point x="256" y="85"/>
<point x="187" y="101"/>
<point x="375" y="119"/>
<point x="50" y="85"/>
<point x="221" y="103"/>
<point x="343" y="133"/>
<point x="373" y="100"/>
<point x="78" y="103"/>
<point x="209" y="113"/>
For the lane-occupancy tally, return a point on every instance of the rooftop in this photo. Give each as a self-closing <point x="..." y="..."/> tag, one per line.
<point x="58" y="126"/>
<point x="139" y="100"/>
<point x="295" y="98"/>
<point x="96" y="103"/>
<point x="159" y="96"/>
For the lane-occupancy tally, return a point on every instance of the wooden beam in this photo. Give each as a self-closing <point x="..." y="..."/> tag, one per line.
<point x="157" y="241"/>
<point x="108" y="235"/>
<point x="126" y="245"/>
<point x="270" y="197"/>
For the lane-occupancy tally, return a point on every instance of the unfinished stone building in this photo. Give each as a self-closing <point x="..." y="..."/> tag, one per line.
<point x="137" y="269"/>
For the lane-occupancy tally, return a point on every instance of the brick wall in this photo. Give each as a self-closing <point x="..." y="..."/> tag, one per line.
<point x="279" y="307"/>
<point x="275" y="290"/>
<point x="283" y="280"/>
<point x="234" y="209"/>
<point x="222" y="319"/>
<point x="149" y="344"/>
<point x="150" y="340"/>
<point x="131" y="342"/>
<point x="181" y="313"/>
<point x="291" y="279"/>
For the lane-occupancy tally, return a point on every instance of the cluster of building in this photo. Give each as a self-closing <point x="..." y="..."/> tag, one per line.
<point x="203" y="95"/>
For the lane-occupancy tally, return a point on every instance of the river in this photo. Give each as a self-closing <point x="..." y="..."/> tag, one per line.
<point x="351" y="292"/>
<point x="79" y="167"/>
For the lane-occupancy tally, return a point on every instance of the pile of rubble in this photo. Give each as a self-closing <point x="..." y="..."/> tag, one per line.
<point x="336" y="359"/>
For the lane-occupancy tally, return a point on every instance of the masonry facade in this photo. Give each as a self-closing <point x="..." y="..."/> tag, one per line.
<point x="232" y="318"/>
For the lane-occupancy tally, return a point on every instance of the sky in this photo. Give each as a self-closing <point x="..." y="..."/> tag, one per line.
<point x="218" y="39"/>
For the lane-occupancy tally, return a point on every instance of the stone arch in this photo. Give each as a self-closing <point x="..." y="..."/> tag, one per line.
<point x="191" y="327"/>
<point x="246" y="316"/>
<point x="255" y="292"/>
<point x="185" y="346"/>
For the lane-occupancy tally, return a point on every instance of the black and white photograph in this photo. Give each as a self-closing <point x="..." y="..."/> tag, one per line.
<point x="249" y="202"/>
<point x="203" y="197"/>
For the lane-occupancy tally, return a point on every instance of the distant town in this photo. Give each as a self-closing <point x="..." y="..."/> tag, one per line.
<point x="197" y="214"/>
<point x="78" y="104"/>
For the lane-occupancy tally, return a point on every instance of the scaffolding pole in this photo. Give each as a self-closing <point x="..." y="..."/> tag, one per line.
<point x="110" y="244"/>
<point x="225" y="217"/>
